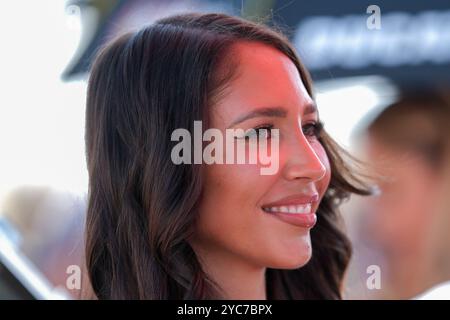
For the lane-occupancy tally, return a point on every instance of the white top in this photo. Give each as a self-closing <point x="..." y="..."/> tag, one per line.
<point x="439" y="292"/>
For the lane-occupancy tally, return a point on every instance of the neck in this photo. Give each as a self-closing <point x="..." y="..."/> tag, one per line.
<point x="240" y="284"/>
<point x="238" y="279"/>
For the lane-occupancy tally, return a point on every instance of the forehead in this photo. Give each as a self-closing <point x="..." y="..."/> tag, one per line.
<point x="264" y="77"/>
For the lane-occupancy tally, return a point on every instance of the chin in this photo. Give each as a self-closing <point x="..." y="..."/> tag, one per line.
<point x="293" y="260"/>
<point x="294" y="264"/>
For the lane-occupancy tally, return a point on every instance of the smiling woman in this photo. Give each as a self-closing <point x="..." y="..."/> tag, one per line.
<point x="161" y="230"/>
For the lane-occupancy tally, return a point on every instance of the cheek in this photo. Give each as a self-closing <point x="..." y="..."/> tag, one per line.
<point x="230" y="220"/>
<point x="228" y="214"/>
<point x="230" y="185"/>
<point x="228" y="204"/>
<point x="401" y="209"/>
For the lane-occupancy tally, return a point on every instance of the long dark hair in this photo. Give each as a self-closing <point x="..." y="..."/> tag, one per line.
<point x="141" y="206"/>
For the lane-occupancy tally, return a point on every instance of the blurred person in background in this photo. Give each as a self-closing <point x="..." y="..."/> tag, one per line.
<point x="410" y="219"/>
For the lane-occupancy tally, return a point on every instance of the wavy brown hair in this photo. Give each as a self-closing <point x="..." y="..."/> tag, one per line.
<point x="141" y="206"/>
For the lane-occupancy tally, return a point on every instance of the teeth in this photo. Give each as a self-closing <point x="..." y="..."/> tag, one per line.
<point x="298" y="209"/>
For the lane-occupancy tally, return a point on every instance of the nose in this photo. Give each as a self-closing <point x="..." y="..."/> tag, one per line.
<point x="302" y="161"/>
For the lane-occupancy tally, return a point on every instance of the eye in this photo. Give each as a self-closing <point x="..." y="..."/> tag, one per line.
<point x="313" y="129"/>
<point x="259" y="132"/>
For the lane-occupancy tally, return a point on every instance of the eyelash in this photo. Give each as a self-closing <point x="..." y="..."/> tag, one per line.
<point x="312" y="129"/>
<point x="266" y="127"/>
<point x="316" y="127"/>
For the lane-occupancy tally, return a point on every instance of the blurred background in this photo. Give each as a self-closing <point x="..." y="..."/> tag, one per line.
<point x="382" y="81"/>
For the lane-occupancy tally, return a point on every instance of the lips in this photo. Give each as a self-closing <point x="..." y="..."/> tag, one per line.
<point x="297" y="210"/>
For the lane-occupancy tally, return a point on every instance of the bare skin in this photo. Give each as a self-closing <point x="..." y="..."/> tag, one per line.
<point x="235" y="239"/>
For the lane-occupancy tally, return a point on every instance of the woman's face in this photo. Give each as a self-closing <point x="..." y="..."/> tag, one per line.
<point x="234" y="222"/>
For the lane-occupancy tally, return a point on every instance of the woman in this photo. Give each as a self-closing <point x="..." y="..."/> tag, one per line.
<point x="160" y="230"/>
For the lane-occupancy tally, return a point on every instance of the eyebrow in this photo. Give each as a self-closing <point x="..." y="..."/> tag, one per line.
<point x="278" y="112"/>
